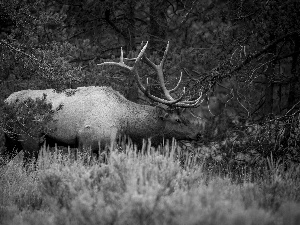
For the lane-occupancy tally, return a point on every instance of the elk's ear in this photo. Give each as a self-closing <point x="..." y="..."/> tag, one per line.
<point x="162" y="113"/>
<point x="165" y="116"/>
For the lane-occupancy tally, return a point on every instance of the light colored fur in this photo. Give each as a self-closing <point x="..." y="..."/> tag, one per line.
<point x="99" y="114"/>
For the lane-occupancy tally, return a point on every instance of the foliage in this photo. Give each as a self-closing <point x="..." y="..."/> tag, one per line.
<point x="35" y="52"/>
<point x="254" y="148"/>
<point x="135" y="188"/>
<point x="27" y="118"/>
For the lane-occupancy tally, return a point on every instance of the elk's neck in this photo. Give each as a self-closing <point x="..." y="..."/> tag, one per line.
<point x="144" y="120"/>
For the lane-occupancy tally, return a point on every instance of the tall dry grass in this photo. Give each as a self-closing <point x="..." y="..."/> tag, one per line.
<point x="152" y="186"/>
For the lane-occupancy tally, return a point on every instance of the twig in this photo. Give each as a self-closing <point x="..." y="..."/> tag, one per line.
<point x="265" y="49"/>
<point x="32" y="57"/>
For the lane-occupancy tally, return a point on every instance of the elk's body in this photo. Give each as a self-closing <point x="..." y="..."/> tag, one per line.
<point x="100" y="114"/>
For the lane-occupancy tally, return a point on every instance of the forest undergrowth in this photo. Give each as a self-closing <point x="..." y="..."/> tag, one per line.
<point x="145" y="187"/>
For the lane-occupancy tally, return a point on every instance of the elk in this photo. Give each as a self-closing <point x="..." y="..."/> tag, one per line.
<point x="100" y="114"/>
<point x="93" y="115"/>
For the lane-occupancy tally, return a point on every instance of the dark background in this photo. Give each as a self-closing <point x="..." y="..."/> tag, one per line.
<point x="58" y="44"/>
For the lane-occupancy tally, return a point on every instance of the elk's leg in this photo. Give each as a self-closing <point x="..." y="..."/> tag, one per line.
<point x="30" y="147"/>
<point x="113" y="137"/>
<point x="87" y="141"/>
<point x="12" y="148"/>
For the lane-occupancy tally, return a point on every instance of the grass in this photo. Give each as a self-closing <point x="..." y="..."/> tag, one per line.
<point x="144" y="188"/>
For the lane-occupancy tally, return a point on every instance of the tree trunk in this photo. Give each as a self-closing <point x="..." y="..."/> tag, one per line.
<point x="269" y="82"/>
<point x="157" y="33"/>
<point x="131" y="26"/>
<point x="294" y="82"/>
<point x="158" y="26"/>
<point x="132" y="92"/>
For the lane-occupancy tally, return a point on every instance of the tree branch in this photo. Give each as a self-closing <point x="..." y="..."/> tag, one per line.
<point x="108" y="20"/>
<point x="264" y="50"/>
<point x="287" y="56"/>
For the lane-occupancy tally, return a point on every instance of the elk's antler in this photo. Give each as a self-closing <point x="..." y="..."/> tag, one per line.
<point x="170" y="101"/>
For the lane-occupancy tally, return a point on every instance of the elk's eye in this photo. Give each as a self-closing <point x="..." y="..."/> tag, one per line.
<point x="178" y="120"/>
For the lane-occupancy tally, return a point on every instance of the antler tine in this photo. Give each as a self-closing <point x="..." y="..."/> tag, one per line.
<point x="121" y="56"/>
<point x="121" y="63"/>
<point x="196" y="100"/>
<point x="165" y="55"/>
<point x="191" y="104"/>
<point x="142" y="53"/>
<point x="160" y="100"/>
<point x="174" y="102"/>
<point x="136" y="74"/>
<point x="177" y="85"/>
